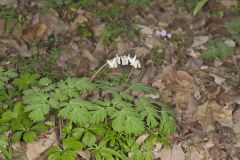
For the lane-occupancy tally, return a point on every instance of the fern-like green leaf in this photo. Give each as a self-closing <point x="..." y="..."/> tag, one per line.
<point x="217" y="48"/>
<point x="102" y="152"/>
<point x="25" y="80"/>
<point x="148" y="112"/>
<point x="83" y="84"/>
<point x="5" y="76"/>
<point x="140" y="87"/>
<point x="98" y="114"/>
<point x="167" y="122"/>
<point x="68" y="87"/>
<point x="107" y="86"/>
<point x="45" y="81"/>
<point x="127" y="120"/>
<point x="76" y="111"/>
<point x="36" y="104"/>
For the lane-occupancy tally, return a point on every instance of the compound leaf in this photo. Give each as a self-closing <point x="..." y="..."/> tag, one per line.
<point x="76" y="111"/>
<point x="25" y="80"/>
<point x="140" y="87"/>
<point x="148" y="112"/>
<point x="29" y="136"/>
<point x="127" y="120"/>
<point x="72" y="144"/>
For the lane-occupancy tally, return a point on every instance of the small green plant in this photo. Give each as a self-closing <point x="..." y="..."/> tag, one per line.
<point x="5" y="149"/>
<point x="236" y="37"/>
<point x="9" y="14"/>
<point x="96" y="117"/>
<point x="25" y="80"/>
<point x="199" y="6"/>
<point x="27" y="130"/>
<point x="83" y="31"/>
<point x="7" y="93"/>
<point x="233" y="26"/>
<point x="5" y="76"/>
<point x="21" y="125"/>
<point x="117" y="28"/>
<point x="107" y="126"/>
<point x="13" y="19"/>
<point x="217" y="48"/>
<point x="182" y="3"/>
<point x="68" y="151"/>
<point x="157" y="54"/>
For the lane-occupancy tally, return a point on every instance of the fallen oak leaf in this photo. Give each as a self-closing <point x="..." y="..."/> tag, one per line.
<point x="210" y="112"/>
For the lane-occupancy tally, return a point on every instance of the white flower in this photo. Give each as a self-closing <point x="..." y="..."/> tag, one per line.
<point x="136" y="64"/>
<point x="112" y="63"/>
<point x="132" y="60"/>
<point x="124" y="60"/>
<point x="118" y="59"/>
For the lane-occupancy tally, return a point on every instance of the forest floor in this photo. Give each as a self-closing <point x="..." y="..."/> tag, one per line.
<point x="194" y="61"/>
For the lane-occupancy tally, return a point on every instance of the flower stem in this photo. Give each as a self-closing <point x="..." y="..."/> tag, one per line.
<point x="96" y="73"/>
<point x="129" y="75"/>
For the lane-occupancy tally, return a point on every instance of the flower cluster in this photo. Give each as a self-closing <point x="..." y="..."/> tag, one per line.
<point x="124" y="60"/>
<point x="163" y="33"/>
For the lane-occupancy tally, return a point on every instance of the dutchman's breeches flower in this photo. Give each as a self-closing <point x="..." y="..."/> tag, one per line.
<point x="124" y="60"/>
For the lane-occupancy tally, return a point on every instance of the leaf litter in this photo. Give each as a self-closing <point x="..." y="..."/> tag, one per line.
<point x="206" y="101"/>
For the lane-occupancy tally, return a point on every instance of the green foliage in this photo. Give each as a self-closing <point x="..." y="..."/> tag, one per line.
<point x="84" y="31"/>
<point x="5" y="150"/>
<point x="216" y="48"/>
<point x="182" y="3"/>
<point x="7" y="92"/>
<point x="116" y="28"/>
<point x="12" y="19"/>
<point x="68" y="152"/>
<point x="39" y="101"/>
<point x="139" y="2"/>
<point x="25" y="80"/>
<point x="9" y="13"/>
<point x="88" y="135"/>
<point x="199" y="6"/>
<point x="5" y="76"/>
<point x="101" y="152"/>
<point x="21" y="126"/>
<point x="107" y="126"/>
<point x="236" y="37"/>
<point x="26" y="129"/>
<point x="139" y="87"/>
<point x="234" y="25"/>
<point x="125" y="119"/>
<point x="53" y="3"/>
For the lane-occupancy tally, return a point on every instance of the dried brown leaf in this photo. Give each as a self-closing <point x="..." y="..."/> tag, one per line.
<point x="35" y="149"/>
<point x="35" y="32"/>
<point x="210" y="112"/>
<point x="142" y="138"/>
<point x="199" y="41"/>
<point x="177" y="152"/>
<point x="236" y="122"/>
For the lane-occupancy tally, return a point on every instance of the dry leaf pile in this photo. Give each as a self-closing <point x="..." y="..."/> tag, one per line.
<point x="205" y="93"/>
